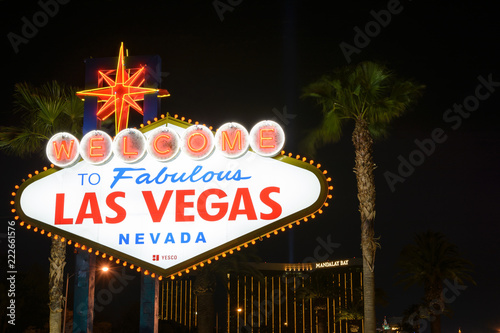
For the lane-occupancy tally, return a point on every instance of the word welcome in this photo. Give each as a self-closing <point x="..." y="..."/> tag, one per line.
<point x="232" y="140"/>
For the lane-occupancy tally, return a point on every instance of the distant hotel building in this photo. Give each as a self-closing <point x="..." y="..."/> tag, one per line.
<point x="287" y="298"/>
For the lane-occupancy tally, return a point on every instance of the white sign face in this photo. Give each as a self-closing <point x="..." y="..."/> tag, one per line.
<point x="169" y="216"/>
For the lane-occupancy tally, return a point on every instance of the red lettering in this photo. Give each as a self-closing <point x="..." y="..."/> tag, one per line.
<point x="181" y="205"/>
<point x="59" y="216"/>
<point x="125" y="151"/>
<point x="157" y="212"/>
<point x="194" y="144"/>
<point x="266" y="138"/>
<point x="155" y="144"/>
<point x="119" y="210"/>
<point x="221" y="206"/>
<point x="266" y="200"/>
<point x="242" y="195"/>
<point x="95" y="213"/>
<point x="225" y="138"/>
<point x="67" y="151"/>
<point x="92" y="148"/>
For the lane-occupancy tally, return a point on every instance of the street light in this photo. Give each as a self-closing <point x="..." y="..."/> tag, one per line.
<point x="239" y="310"/>
<point x="68" y="276"/>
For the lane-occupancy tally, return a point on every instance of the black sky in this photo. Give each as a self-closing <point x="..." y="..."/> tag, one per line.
<point x="257" y="59"/>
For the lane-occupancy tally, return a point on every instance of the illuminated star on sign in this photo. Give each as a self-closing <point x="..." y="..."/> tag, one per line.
<point x="121" y="93"/>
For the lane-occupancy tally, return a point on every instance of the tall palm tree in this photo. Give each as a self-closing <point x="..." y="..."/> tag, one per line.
<point x="429" y="262"/>
<point x="371" y="96"/>
<point x="43" y="111"/>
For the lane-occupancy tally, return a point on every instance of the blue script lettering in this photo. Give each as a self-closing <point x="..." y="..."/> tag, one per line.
<point x="195" y="176"/>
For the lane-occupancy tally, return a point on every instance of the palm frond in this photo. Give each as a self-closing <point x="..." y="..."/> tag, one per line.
<point x="430" y="260"/>
<point x="20" y="141"/>
<point x="367" y="91"/>
<point x="43" y="111"/>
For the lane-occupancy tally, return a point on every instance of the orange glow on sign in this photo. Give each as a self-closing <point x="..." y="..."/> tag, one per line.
<point x="129" y="145"/>
<point x="263" y="138"/>
<point x="232" y="140"/>
<point x="192" y="138"/>
<point x="198" y="142"/>
<point x="155" y="144"/>
<point x="95" y="147"/>
<point x="67" y="151"/>
<point x="267" y="138"/>
<point x="225" y="140"/>
<point x="62" y="149"/>
<point x="125" y="148"/>
<point x="163" y="144"/>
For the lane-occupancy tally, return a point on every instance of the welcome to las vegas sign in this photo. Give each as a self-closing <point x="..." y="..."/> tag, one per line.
<point x="173" y="195"/>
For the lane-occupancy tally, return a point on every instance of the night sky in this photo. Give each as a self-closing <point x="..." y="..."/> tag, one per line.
<point x="251" y="62"/>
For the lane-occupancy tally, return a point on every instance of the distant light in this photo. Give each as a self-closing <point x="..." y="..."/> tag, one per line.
<point x="105" y="268"/>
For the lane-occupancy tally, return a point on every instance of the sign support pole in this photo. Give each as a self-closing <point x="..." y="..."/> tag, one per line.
<point x="83" y="307"/>
<point x="149" y="286"/>
<point x="149" y="304"/>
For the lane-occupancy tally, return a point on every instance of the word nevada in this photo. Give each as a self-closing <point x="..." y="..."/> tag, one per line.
<point x="231" y="140"/>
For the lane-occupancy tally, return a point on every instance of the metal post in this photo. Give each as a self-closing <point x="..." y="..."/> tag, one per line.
<point x="83" y="306"/>
<point x="149" y="305"/>
<point x="66" y="302"/>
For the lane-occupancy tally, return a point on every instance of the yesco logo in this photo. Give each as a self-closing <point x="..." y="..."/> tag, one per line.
<point x="232" y="140"/>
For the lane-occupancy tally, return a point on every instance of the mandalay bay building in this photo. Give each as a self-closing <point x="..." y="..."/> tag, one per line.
<point x="305" y="297"/>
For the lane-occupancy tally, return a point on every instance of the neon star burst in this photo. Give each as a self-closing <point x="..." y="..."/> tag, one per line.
<point x="121" y="93"/>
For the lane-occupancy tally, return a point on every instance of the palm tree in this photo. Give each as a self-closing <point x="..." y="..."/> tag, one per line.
<point x="412" y="316"/>
<point x="318" y="287"/>
<point x="353" y="314"/>
<point x="44" y="111"/>
<point x="429" y="262"/>
<point x="206" y="279"/>
<point x="371" y="96"/>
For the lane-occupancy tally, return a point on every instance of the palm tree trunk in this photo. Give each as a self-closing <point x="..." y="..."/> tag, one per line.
<point x="435" y="304"/>
<point x="204" y="287"/>
<point x="56" y="275"/>
<point x="364" y="167"/>
<point x="206" y="313"/>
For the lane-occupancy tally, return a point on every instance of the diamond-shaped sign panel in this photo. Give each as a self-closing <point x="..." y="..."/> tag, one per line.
<point x="167" y="216"/>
